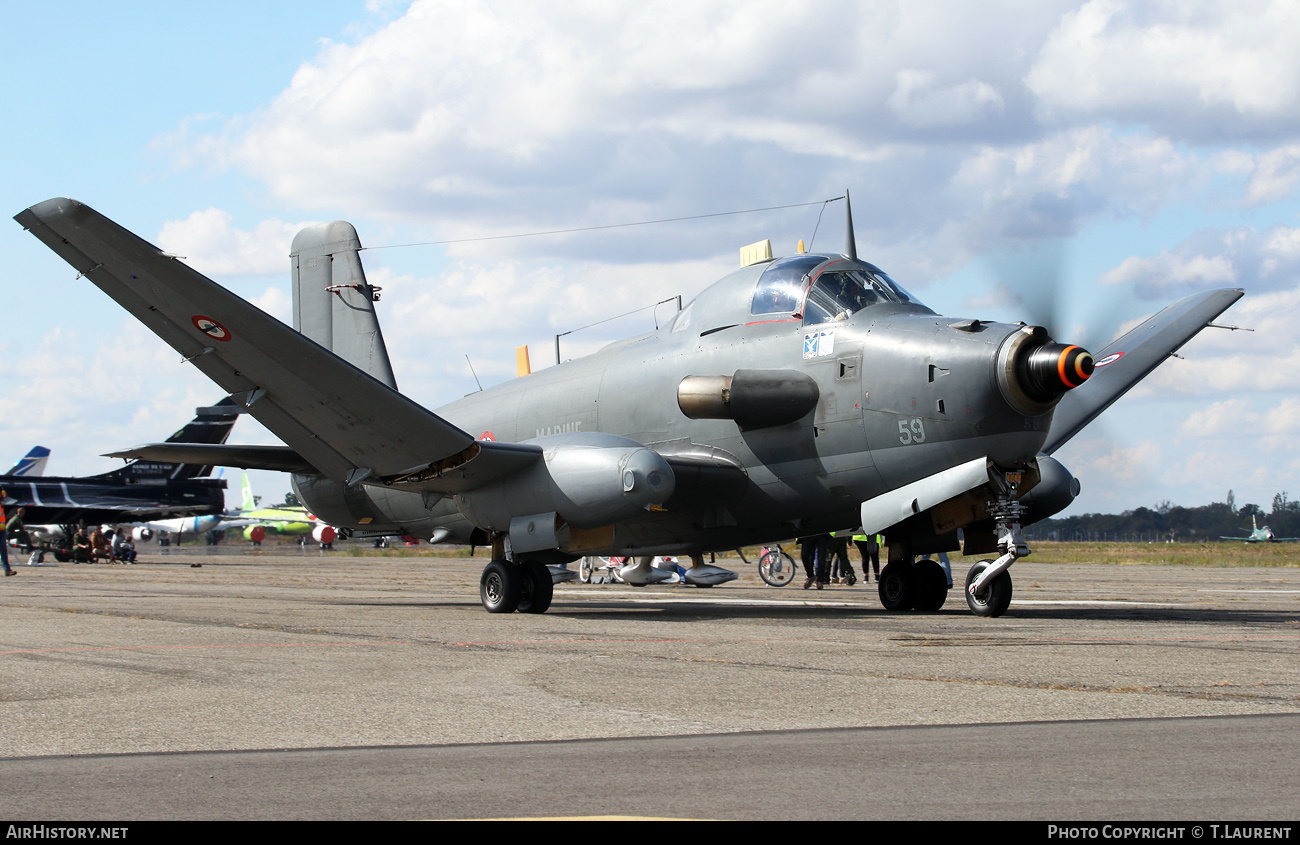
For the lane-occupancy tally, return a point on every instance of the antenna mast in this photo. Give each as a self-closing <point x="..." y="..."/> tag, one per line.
<point x="851" y="244"/>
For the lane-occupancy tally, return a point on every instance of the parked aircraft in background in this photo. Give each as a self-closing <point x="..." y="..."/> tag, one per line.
<point x="1262" y="534"/>
<point x="32" y="464"/>
<point x="138" y="492"/>
<point x="796" y="396"/>
<point x="260" y="522"/>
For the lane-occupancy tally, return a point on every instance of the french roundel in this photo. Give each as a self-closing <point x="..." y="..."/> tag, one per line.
<point x="210" y="327"/>
<point x="1110" y="359"/>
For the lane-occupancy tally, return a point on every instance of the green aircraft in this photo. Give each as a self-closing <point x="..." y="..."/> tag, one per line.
<point x="1261" y="534"/>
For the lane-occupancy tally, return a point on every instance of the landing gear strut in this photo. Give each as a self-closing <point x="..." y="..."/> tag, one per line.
<point x="988" y="584"/>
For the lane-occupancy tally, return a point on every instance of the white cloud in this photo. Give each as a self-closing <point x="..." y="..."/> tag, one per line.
<point x="1226" y="417"/>
<point x="1196" y="271"/>
<point x="124" y="388"/>
<point x="919" y="101"/>
<point x="1209" y="70"/>
<point x="1257" y="260"/>
<point x="209" y="242"/>
<point x="1275" y="175"/>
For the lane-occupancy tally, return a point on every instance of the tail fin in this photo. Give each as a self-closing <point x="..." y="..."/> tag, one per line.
<point x="332" y="302"/>
<point x="210" y="425"/>
<point x="247" y="503"/>
<point x="33" y="463"/>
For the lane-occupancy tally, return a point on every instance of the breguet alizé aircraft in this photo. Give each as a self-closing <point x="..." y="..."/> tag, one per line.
<point x="796" y="396"/>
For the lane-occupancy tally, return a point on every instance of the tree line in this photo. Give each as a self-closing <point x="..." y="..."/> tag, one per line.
<point x="1167" y="521"/>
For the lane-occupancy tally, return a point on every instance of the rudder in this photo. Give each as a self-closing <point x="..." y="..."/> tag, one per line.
<point x="333" y="304"/>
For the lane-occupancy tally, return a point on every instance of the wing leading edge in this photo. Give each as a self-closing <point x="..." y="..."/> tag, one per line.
<point x="339" y="420"/>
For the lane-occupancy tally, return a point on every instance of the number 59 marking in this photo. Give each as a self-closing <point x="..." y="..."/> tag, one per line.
<point x="911" y="431"/>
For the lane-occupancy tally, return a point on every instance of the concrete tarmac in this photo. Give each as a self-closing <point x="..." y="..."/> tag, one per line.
<point x="361" y="687"/>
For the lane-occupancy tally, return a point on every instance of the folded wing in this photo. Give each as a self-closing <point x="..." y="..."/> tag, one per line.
<point x="1130" y="359"/>
<point x="339" y="420"/>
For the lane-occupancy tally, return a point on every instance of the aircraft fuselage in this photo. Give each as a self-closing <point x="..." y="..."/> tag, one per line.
<point x="902" y="394"/>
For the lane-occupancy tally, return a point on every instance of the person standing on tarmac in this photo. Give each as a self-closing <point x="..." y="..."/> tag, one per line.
<point x="841" y="567"/>
<point x="812" y="551"/>
<point x="4" y="537"/>
<point x="869" y="547"/>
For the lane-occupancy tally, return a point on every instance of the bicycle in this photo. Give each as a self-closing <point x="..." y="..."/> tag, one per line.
<point x="775" y="567"/>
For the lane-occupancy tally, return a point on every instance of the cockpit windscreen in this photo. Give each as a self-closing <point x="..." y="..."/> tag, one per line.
<point x="837" y="290"/>
<point x="782" y="284"/>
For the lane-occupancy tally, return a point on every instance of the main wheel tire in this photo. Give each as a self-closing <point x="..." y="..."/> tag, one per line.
<point x="776" y="568"/>
<point x="501" y="587"/>
<point x="897" y="586"/>
<point x="538" y="588"/>
<point x="585" y="567"/>
<point x="931" y="586"/>
<point x="996" y="596"/>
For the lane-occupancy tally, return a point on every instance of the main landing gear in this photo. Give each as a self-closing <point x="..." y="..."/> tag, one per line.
<point x="506" y="587"/>
<point x="907" y="585"/>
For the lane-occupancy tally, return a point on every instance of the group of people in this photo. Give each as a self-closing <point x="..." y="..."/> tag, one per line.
<point x="825" y="558"/>
<point x="102" y="545"/>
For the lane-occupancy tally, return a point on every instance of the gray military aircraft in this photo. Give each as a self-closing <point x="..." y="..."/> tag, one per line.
<point x="796" y="396"/>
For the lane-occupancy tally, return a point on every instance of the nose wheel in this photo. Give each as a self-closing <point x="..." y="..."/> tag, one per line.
<point x="994" y="597"/>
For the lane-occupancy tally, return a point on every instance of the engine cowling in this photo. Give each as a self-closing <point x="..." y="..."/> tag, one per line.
<point x="584" y="480"/>
<point x="324" y="534"/>
<point x="141" y="534"/>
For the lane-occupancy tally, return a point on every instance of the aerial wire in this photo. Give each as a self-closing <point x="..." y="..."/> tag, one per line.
<point x="612" y="226"/>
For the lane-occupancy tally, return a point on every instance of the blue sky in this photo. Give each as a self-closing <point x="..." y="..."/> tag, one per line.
<point x="1139" y="152"/>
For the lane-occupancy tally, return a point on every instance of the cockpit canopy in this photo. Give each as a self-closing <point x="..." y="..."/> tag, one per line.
<point x="814" y="288"/>
<point x="828" y="288"/>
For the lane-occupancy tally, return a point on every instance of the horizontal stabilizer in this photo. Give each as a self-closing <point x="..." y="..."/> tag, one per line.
<point x="274" y="458"/>
<point x="1130" y="359"/>
<point x="493" y="461"/>
<point x="340" y="420"/>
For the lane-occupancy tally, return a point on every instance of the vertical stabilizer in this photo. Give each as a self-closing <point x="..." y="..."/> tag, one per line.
<point x="333" y="304"/>
<point x="33" y="463"/>
<point x="247" y="503"/>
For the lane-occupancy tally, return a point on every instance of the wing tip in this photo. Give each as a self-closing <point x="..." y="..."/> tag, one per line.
<point x="55" y="208"/>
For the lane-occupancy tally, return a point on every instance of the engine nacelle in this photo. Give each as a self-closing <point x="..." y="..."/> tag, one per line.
<point x="141" y="534"/>
<point x="1054" y="492"/>
<point x="584" y="480"/>
<point x="324" y="534"/>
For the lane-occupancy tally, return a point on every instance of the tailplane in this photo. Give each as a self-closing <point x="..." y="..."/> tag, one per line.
<point x="210" y="425"/>
<point x="333" y="304"/>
